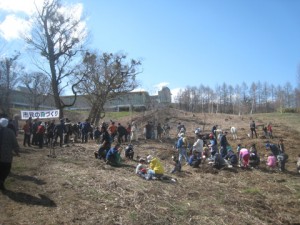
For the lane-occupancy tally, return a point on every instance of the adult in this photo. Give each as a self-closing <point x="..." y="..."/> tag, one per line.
<point x="112" y="130"/>
<point x="134" y="132"/>
<point x="181" y="148"/>
<point x="34" y="140"/>
<point x="219" y="162"/>
<point x="156" y="169"/>
<point x="85" y="127"/>
<point x="68" y="133"/>
<point x="213" y="145"/>
<point x="97" y="135"/>
<point x="273" y="148"/>
<point x="254" y="157"/>
<point x="270" y="131"/>
<point x="40" y="134"/>
<point x="59" y="131"/>
<point x="50" y="132"/>
<point x="128" y="133"/>
<point x="214" y="130"/>
<point x="159" y="131"/>
<point x="148" y="130"/>
<point x="282" y="156"/>
<point x="105" y="143"/>
<point x="122" y="133"/>
<point x="113" y="156"/>
<point x="195" y="159"/>
<point x="27" y="133"/>
<point x="253" y="129"/>
<point x="8" y="145"/>
<point x="224" y="143"/>
<point x="166" y="129"/>
<point x="231" y="158"/>
<point x="198" y="145"/>
<point x="281" y="145"/>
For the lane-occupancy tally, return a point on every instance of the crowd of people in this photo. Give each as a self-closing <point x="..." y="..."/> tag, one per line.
<point x="215" y="149"/>
<point x="212" y="148"/>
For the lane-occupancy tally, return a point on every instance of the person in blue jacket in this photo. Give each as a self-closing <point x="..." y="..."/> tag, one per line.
<point x="195" y="159"/>
<point x="113" y="156"/>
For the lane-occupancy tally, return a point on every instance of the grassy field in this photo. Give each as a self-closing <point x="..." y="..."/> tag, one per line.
<point x="76" y="188"/>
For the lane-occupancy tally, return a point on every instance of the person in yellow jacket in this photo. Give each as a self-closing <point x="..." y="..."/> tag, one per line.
<point x="156" y="169"/>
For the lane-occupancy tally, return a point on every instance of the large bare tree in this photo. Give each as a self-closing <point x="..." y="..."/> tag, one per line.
<point x="38" y="87"/>
<point x="58" y="36"/>
<point x="106" y="76"/>
<point x="9" y="70"/>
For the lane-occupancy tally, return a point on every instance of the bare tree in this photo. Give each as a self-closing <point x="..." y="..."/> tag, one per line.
<point x="106" y="77"/>
<point x="253" y="94"/>
<point x="288" y="95"/>
<point x="58" y="37"/>
<point x="38" y="86"/>
<point x="8" y="79"/>
<point x="265" y="95"/>
<point x="297" y="90"/>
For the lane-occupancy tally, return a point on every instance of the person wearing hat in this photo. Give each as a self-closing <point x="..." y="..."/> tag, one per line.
<point x="155" y="169"/>
<point x="8" y="145"/>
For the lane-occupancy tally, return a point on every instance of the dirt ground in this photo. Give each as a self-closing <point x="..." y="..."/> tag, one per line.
<point x="76" y="188"/>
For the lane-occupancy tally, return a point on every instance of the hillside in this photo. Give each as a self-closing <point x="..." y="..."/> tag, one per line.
<point x="76" y="188"/>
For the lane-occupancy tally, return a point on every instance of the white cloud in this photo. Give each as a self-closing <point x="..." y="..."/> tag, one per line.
<point x="138" y="90"/>
<point x="159" y="86"/>
<point x="13" y="27"/>
<point x="17" y="6"/>
<point x="175" y="92"/>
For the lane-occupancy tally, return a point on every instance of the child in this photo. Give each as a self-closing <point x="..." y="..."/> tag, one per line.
<point x="271" y="161"/>
<point x="177" y="165"/>
<point x="129" y="153"/>
<point x="244" y="157"/>
<point x="156" y="169"/>
<point x="140" y="169"/>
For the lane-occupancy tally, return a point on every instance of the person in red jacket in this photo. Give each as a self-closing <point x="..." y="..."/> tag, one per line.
<point x="40" y="134"/>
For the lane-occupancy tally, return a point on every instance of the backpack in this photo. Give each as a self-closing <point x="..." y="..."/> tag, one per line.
<point x="179" y="143"/>
<point x="185" y="142"/>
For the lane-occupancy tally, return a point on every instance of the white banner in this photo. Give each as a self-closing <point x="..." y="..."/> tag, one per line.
<point x="41" y="114"/>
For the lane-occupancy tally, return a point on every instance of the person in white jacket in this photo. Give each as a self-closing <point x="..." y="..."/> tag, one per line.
<point x="134" y="132"/>
<point x="198" y="145"/>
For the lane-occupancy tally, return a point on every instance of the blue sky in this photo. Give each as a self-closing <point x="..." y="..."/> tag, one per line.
<point x="191" y="42"/>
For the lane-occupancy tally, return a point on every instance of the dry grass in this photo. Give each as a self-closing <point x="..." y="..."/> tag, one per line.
<point x="75" y="188"/>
